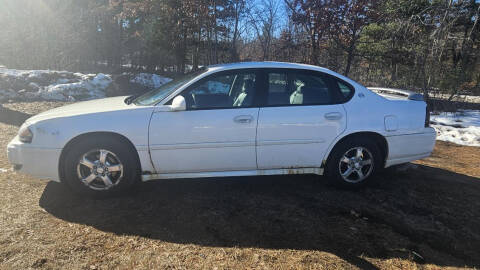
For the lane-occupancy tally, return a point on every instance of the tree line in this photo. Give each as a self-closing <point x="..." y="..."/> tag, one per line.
<point x="414" y="44"/>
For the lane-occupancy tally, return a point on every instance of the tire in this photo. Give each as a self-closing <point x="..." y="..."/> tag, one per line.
<point x="100" y="167"/>
<point x="354" y="163"/>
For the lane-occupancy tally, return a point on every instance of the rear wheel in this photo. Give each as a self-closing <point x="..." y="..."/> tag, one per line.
<point x="100" y="167"/>
<point x="353" y="163"/>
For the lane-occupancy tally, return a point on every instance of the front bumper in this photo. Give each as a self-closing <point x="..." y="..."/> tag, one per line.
<point x="36" y="161"/>
<point x="409" y="147"/>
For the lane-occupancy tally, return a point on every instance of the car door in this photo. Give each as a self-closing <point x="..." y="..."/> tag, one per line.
<point x="301" y="117"/>
<point x="217" y="131"/>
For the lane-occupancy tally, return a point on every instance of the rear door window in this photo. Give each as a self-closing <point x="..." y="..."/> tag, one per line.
<point x="297" y="87"/>
<point x="310" y="89"/>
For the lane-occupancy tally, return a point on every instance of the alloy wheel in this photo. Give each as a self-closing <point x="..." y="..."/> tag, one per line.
<point x="356" y="164"/>
<point x="100" y="169"/>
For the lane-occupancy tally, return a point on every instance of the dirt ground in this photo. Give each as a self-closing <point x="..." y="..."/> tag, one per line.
<point x="424" y="215"/>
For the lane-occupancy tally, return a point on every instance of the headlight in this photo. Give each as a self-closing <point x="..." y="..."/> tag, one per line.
<point x="25" y="134"/>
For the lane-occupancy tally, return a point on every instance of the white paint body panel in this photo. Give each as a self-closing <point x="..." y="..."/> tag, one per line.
<point x="420" y="145"/>
<point x="209" y="143"/>
<point x="203" y="140"/>
<point x="297" y="136"/>
<point x="53" y="129"/>
<point x="37" y="161"/>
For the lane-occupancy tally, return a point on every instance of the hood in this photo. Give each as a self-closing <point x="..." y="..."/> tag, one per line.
<point x="85" y="107"/>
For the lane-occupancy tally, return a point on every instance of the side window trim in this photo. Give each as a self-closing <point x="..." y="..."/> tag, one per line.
<point x="335" y="89"/>
<point x="265" y="84"/>
<point x="334" y="81"/>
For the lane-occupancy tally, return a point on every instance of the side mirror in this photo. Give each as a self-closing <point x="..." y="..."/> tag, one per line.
<point x="179" y="104"/>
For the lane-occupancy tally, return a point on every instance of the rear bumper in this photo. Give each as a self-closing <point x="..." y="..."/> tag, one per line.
<point x="35" y="161"/>
<point x="409" y="147"/>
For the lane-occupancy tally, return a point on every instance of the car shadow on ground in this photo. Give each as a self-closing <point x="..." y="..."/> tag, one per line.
<point x="426" y="214"/>
<point x="11" y="117"/>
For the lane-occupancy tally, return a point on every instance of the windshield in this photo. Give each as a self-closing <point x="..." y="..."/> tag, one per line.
<point x="165" y="90"/>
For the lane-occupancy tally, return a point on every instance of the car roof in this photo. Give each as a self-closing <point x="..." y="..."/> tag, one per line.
<point x="272" y="64"/>
<point x="267" y="64"/>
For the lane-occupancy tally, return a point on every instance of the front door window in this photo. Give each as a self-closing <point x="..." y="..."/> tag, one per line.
<point x="223" y="91"/>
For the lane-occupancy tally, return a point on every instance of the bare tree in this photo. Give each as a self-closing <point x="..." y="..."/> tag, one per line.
<point x="264" y="20"/>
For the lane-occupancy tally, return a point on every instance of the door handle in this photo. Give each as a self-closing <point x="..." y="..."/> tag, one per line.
<point x="243" y="119"/>
<point x="333" y="116"/>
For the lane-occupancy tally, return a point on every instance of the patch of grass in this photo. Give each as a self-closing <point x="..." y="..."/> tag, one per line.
<point x="417" y="216"/>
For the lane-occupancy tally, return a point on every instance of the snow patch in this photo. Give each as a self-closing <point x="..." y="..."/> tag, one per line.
<point x="213" y="87"/>
<point x="63" y="85"/>
<point x="7" y="94"/>
<point x="51" y="85"/>
<point x="87" y="88"/>
<point x="462" y="127"/>
<point x="149" y="80"/>
<point x="3" y="170"/>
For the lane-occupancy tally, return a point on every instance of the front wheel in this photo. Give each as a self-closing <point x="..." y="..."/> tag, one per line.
<point x="100" y="167"/>
<point x="353" y="163"/>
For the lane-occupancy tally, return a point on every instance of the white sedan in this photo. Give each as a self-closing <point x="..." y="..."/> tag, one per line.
<point x="240" y="119"/>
